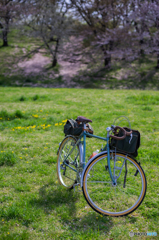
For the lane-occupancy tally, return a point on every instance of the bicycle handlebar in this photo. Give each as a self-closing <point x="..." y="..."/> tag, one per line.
<point x="128" y="133"/>
<point x="124" y="132"/>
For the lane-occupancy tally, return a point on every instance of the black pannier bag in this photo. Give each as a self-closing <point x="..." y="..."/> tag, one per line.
<point x="73" y="128"/>
<point x="128" y="145"/>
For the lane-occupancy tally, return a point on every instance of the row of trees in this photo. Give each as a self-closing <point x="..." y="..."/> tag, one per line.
<point x="124" y="29"/>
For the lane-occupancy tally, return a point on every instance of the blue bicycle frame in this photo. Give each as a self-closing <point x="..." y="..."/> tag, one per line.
<point x="84" y="134"/>
<point x="105" y="150"/>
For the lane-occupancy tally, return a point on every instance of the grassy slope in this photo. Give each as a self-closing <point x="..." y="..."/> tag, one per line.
<point x="33" y="204"/>
<point x="140" y="74"/>
<point x="19" y="46"/>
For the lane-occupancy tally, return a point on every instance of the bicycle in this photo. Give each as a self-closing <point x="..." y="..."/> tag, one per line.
<point x="113" y="183"/>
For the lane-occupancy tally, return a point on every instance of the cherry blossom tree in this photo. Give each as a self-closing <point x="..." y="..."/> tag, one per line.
<point x="48" y="20"/>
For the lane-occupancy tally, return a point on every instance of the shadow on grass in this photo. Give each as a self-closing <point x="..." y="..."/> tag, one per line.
<point x="64" y="203"/>
<point x="30" y="81"/>
<point x="101" y="79"/>
<point x="144" y="80"/>
<point x="50" y="199"/>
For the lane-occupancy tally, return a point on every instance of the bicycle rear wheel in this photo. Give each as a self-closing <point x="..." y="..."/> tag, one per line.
<point x="68" y="161"/>
<point x="109" y="199"/>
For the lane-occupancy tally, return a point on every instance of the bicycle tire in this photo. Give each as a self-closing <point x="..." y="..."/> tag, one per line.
<point x="67" y="176"/>
<point x="105" y="197"/>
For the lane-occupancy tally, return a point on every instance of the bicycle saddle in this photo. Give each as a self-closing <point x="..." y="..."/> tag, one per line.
<point x="83" y="119"/>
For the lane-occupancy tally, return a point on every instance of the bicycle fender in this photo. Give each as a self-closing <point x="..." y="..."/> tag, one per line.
<point x="97" y="155"/>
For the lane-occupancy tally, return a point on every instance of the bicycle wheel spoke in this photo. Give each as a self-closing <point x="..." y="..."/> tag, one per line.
<point x="68" y="156"/>
<point x="98" y="182"/>
<point x="69" y="178"/>
<point x="107" y="198"/>
<point x="68" y="151"/>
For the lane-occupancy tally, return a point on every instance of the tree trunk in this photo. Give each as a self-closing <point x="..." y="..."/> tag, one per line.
<point x="54" y="62"/>
<point x="142" y="52"/>
<point x="107" y="61"/>
<point x="5" y="39"/>
<point x="157" y="61"/>
<point x="4" y="35"/>
<point x="107" y="57"/>
<point x="5" y="31"/>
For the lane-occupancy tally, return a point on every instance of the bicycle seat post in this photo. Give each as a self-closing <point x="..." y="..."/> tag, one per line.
<point x="84" y="126"/>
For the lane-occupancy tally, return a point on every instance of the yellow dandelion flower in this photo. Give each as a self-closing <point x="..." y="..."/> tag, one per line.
<point x="7" y="232"/>
<point x="45" y="147"/>
<point x="56" y="124"/>
<point x="48" y="125"/>
<point x="12" y="152"/>
<point x="156" y="133"/>
<point x="35" y="115"/>
<point x="20" y="157"/>
<point x="40" y="110"/>
<point x="26" y="162"/>
<point x="64" y="121"/>
<point x="26" y="155"/>
<point x="60" y="124"/>
<point x="2" y="220"/>
<point x="0" y="118"/>
<point x="25" y="148"/>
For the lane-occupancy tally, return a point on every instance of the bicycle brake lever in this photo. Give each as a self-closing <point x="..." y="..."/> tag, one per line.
<point x="131" y="136"/>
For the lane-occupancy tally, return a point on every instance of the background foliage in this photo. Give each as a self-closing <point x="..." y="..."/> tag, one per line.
<point x="114" y="43"/>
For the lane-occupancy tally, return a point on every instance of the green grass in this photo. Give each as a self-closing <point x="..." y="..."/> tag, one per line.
<point x="33" y="204"/>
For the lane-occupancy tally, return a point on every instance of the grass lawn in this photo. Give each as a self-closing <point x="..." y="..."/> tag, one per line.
<point x="33" y="204"/>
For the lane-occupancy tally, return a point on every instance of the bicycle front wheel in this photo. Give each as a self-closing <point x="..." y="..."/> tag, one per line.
<point x="119" y="199"/>
<point x="68" y="161"/>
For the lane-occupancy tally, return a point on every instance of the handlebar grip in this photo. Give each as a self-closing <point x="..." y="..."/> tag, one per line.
<point x="124" y="132"/>
<point x="128" y="133"/>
